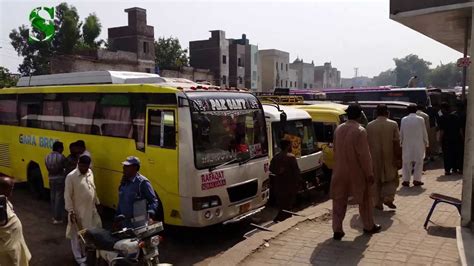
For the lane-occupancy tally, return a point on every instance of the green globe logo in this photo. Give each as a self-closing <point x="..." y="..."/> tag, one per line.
<point x="42" y="20"/>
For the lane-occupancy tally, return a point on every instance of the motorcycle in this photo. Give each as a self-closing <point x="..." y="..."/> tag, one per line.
<point x="128" y="246"/>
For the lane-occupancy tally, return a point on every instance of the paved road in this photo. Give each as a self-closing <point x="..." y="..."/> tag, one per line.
<point x="49" y="246"/>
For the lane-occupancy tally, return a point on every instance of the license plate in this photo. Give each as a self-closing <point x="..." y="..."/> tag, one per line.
<point x="244" y="208"/>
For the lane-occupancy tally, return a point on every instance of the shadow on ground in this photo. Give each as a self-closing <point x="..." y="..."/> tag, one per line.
<point x="448" y="178"/>
<point x="384" y="218"/>
<point x="441" y="231"/>
<point x="330" y="251"/>
<point x="410" y="191"/>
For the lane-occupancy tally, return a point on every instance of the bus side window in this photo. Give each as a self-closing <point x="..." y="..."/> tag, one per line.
<point x="154" y="127"/>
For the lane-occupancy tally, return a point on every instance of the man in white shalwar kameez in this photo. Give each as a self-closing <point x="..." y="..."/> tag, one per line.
<point x="414" y="141"/>
<point x="80" y="200"/>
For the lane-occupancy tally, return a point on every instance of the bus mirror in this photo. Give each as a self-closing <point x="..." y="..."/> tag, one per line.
<point x="283" y="118"/>
<point x="3" y="211"/>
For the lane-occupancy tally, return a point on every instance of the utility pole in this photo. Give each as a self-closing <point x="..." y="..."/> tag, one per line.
<point x="356" y="72"/>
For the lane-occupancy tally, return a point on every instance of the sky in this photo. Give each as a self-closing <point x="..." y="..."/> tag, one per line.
<point x="349" y="34"/>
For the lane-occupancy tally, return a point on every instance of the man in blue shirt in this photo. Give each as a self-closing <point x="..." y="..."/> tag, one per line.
<point x="134" y="189"/>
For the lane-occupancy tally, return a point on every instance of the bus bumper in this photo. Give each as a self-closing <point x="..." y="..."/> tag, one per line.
<point x="243" y="216"/>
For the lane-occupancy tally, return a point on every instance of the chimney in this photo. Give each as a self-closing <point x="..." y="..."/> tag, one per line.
<point x="217" y="34"/>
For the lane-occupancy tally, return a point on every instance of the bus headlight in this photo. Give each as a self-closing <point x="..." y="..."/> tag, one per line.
<point x="203" y="203"/>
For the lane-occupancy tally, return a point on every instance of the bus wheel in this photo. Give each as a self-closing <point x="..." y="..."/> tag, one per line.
<point x="35" y="181"/>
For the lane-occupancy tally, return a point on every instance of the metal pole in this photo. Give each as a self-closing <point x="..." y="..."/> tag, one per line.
<point x="464" y="69"/>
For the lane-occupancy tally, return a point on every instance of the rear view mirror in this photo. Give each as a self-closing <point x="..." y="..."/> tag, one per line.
<point x="3" y="211"/>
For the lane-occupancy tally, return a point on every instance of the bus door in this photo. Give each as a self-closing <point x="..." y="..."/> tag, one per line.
<point x="161" y="150"/>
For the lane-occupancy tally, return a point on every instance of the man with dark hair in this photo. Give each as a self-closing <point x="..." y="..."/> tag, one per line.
<point x="81" y="201"/>
<point x="81" y="148"/>
<point x="286" y="173"/>
<point x="13" y="249"/>
<point x="451" y="136"/>
<point x="384" y="142"/>
<point x="133" y="189"/>
<point x="72" y="158"/>
<point x="55" y="163"/>
<point x="414" y="141"/>
<point x="353" y="174"/>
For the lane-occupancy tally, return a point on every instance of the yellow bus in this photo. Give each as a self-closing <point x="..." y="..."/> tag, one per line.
<point x="204" y="149"/>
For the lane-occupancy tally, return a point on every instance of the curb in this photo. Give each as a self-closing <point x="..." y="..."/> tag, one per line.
<point x="243" y="249"/>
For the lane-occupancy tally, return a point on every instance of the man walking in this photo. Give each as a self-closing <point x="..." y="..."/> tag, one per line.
<point x="384" y="142"/>
<point x="55" y="163"/>
<point x="353" y="173"/>
<point x="286" y="172"/>
<point x="133" y="189"/>
<point x="414" y="141"/>
<point x="451" y="135"/>
<point x="13" y="249"/>
<point x="81" y="200"/>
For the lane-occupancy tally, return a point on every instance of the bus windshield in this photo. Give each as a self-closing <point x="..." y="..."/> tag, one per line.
<point x="300" y="133"/>
<point x="221" y="136"/>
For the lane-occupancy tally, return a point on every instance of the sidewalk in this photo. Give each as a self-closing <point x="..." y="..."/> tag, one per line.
<point x="402" y="241"/>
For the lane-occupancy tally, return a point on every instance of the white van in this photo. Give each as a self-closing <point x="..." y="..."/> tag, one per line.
<point x="298" y="128"/>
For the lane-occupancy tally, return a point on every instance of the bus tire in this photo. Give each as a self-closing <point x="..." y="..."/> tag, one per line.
<point x="35" y="181"/>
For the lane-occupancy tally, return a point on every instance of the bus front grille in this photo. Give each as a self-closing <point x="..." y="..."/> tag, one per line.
<point x="244" y="191"/>
<point x="5" y="155"/>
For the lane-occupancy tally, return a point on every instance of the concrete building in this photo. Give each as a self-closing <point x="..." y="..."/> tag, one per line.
<point x="274" y="69"/>
<point x="131" y="49"/>
<point x="305" y="74"/>
<point x="212" y="54"/>
<point x="293" y="78"/>
<point x="326" y="76"/>
<point x="356" y="82"/>
<point x="252" y="76"/>
<point x="450" y="22"/>
<point x="191" y="73"/>
<point x="137" y="37"/>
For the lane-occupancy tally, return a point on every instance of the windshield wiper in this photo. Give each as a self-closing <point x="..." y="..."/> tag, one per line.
<point x="247" y="160"/>
<point x="212" y="168"/>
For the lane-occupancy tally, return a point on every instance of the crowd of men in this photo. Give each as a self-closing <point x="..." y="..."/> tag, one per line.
<point x="368" y="158"/>
<point x="74" y="200"/>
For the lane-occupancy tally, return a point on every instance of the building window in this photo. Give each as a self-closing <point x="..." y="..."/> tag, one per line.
<point x="286" y="83"/>
<point x="224" y="59"/>
<point x="310" y="86"/>
<point x="224" y="80"/>
<point x="305" y="85"/>
<point x="281" y="66"/>
<point x="276" y="64"/>
<point x="240" y="80"/>
<point x="281" y="83"/>
<point x="296" y="84"/>
<point x="255" y="58"/>
<point x="148" y="70"/>
<point x="291" y="84"/>
<point x="145" y="47"/>
<point x="239" y="62"/>
<point x="287" y="67"/>
<point x="254" y="75"/>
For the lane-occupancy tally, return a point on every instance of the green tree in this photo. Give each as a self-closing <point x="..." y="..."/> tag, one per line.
<point x="169" y="54"/>
<point x="445" y="76"/>
<point x="411" y="65"/>
<point x="6" y="79"/>
<point x="387" y="77"/>
<point x="91" y="30"/>
<point x="68" y="29"/>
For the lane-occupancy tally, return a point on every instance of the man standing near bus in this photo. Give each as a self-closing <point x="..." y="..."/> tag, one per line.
<point x="13" y="249"/>
<point x="135" y="189"/>
<point x="286" y="172"/>
<point x="384" y="142"/>
<point x="414" y="141"/>
<point x="81" y="201"/>
<point x="81" y="147"/>
<point x="353" y="174"/>
<point x="55" y="163"/>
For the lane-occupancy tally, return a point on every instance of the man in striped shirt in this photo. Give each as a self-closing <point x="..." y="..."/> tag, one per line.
<point x="55" y="163"/>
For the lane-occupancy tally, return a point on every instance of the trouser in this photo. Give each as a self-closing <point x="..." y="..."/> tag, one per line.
<point x="366" y="208"/>
<point x="78" y="249"/>
<point x="385" y="192"/>
<point x="452" y="156"/>
<point x="56" y="187"/>
<point x="433" y="149"/>
<point x="408" y="167"/>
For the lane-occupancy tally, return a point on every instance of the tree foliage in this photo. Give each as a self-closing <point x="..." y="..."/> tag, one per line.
<point x="6" y="79"/>
<point x="67" y="40"/>
<point x="387" y="77"/>
<point x="91" y="30"/>
<point x="169" y="54"/>
<point x="411" y="65"/>
<point x="445" y="76"/>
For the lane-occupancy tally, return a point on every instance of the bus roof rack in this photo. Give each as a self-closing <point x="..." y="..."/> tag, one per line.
<point x="90" y="77"/>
